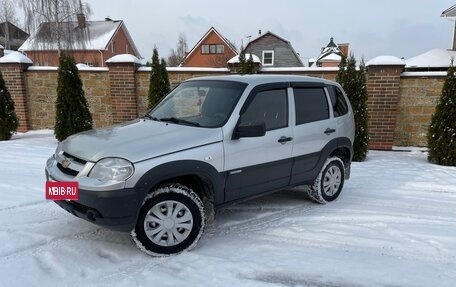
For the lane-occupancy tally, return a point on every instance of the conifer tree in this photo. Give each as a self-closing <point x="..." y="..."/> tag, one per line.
<point x="242" y="61"/>
<point x="353" y="81"/>
<point x="72" y="111"/>
<point x="442" y="130"/>
<point x="159" y="82"/>
<point x="8" y="119"/>
<point x="246" y="66"/>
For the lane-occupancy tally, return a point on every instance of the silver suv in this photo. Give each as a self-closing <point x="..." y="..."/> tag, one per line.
<point x="212" y="141"/>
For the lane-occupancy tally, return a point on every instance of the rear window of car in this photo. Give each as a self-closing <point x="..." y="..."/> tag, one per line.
<point x="339" y="104"/>
<point x="311" y="105"/>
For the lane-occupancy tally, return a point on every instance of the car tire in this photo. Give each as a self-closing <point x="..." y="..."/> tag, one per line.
<point x="329" y="183"/>
<point x="171" y="220"/>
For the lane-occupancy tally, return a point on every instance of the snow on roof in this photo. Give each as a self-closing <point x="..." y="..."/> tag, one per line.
<point x="235" y="59"/>
<point x="15" y="57"/>
<point x="124" y="58"/>
<point x="385" y="61"/>
<point x="450" y="12"/>
<point x="1" y="47"/>
<point x="331" y="57"/>
<point x="433" y="58"/>
<point x="96" y="36"/>
<point x="330" y="53"/>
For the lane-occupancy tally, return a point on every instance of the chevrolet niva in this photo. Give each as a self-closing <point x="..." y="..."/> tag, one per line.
<point x="211" y="141"/>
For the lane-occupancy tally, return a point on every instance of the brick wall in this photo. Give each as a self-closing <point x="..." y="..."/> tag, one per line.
<point x="123" y="91"/>
<point x="383" y="83"/>
<point x="400" y="104"/>
<point x="13" y="74"/>
<point x="42" y="94"/>
<point x="418" y="96"/>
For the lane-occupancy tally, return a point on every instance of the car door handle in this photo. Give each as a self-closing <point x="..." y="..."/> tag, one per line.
<point x="329" y="131"/>
<point x="285" y="139"/>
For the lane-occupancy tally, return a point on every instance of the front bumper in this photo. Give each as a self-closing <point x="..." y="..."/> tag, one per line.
<point x="116" y="209"/>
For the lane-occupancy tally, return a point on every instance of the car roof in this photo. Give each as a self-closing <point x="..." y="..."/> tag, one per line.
<point x="257" y="79"/>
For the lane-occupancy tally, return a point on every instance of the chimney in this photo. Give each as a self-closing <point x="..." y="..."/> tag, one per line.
<point x="81" y="20"/>
<point x="259" y="32"/>
<point x="344" y="48"/>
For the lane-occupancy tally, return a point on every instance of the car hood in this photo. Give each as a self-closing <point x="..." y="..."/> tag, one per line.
<point x="138" y="140"/>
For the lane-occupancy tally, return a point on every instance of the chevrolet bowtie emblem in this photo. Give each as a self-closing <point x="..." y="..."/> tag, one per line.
<point x="66" y="163"/>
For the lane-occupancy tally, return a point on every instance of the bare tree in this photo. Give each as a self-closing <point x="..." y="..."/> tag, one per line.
<point x="177" y="56"/>
<point x="7" y="15"/>
<point x="59" y="17"/>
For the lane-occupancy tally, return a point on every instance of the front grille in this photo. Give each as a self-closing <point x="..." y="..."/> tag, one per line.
<point x="67" y="171"/>
<point x="75" y="166"/>
<point x="73" y="158"/>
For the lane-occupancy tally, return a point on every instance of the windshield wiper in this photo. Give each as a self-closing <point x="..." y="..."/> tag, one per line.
<point x="148" y="116"/>
<point x="179" y="121"/>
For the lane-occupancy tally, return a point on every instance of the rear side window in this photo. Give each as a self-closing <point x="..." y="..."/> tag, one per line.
<point x="311" y="105"/>
<point x="339" y="104"/>
<point x="270" y="107"/>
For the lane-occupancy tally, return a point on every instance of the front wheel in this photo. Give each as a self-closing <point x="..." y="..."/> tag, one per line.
<point x="171" y="220"/>
<point x="329" y="182"/>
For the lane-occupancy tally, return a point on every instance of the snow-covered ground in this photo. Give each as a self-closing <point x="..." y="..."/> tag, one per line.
<point x="393" y="225"/>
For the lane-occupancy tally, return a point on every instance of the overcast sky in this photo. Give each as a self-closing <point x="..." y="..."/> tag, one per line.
<point x="403" y="28"/>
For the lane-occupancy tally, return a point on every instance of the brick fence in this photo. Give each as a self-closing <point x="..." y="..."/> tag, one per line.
<point x="400" y="103"/>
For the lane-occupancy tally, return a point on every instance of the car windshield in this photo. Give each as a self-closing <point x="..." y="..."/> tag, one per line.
<point x="201" y="103"/>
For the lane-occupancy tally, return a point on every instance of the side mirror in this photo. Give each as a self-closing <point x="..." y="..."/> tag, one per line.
<point x="249" y="130"/>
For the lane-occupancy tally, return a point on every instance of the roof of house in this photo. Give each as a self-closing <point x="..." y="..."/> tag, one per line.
<point x="276" y="36"/>
<point x="450" y="12"/>
<point x="330" y="52"/>
<point x="212" y="29"/>
<point x="268" y="33"/>
<point x="435" y="58"/>
<point x="19" y="32"/>
<point x="96" y="36"/>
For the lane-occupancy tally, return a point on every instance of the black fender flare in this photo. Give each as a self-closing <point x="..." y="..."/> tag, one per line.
<point x="331" y="146"/>
<point x="178" y="168"/>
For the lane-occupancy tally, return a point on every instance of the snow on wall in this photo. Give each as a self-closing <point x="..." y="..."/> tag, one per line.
<point x="424" y="74"/>
<point x="385" y="61"/>
<point x="124" y="58"/>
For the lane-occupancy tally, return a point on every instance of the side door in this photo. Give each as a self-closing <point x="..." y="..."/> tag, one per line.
<point x="263" y="163"/>
<point x="314" y="127"/>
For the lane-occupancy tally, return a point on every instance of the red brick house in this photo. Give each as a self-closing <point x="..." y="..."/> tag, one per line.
<point x="212" y="50"/>
<point x="89" y="42"/>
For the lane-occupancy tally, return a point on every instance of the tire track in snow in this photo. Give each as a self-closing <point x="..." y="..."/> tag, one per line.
<point x="40" y="247"/>
<point x="259" y="223"/>
<point x="28" y="204"/>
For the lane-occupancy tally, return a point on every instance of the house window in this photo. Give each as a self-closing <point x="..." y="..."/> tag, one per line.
<point x="268" y="58"/>
<point x="220" y="49"/>
<point x="212" y="49"/>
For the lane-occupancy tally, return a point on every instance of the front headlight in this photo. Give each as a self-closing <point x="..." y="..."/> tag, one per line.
<point x="107" y="169"/>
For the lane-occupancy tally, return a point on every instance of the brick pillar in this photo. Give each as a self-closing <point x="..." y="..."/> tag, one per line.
<point x="383" y="83"/>
<point x="13" y="67"/>
<point x="122" y="73"/>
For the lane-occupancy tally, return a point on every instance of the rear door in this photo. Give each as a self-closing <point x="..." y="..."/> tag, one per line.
<point x="258" y="164"/>
<point x="313" y="129"/>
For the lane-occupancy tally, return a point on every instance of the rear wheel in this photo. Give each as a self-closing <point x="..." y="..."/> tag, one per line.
<point x="171" y="220"/>
<point x="329" y="182"/>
